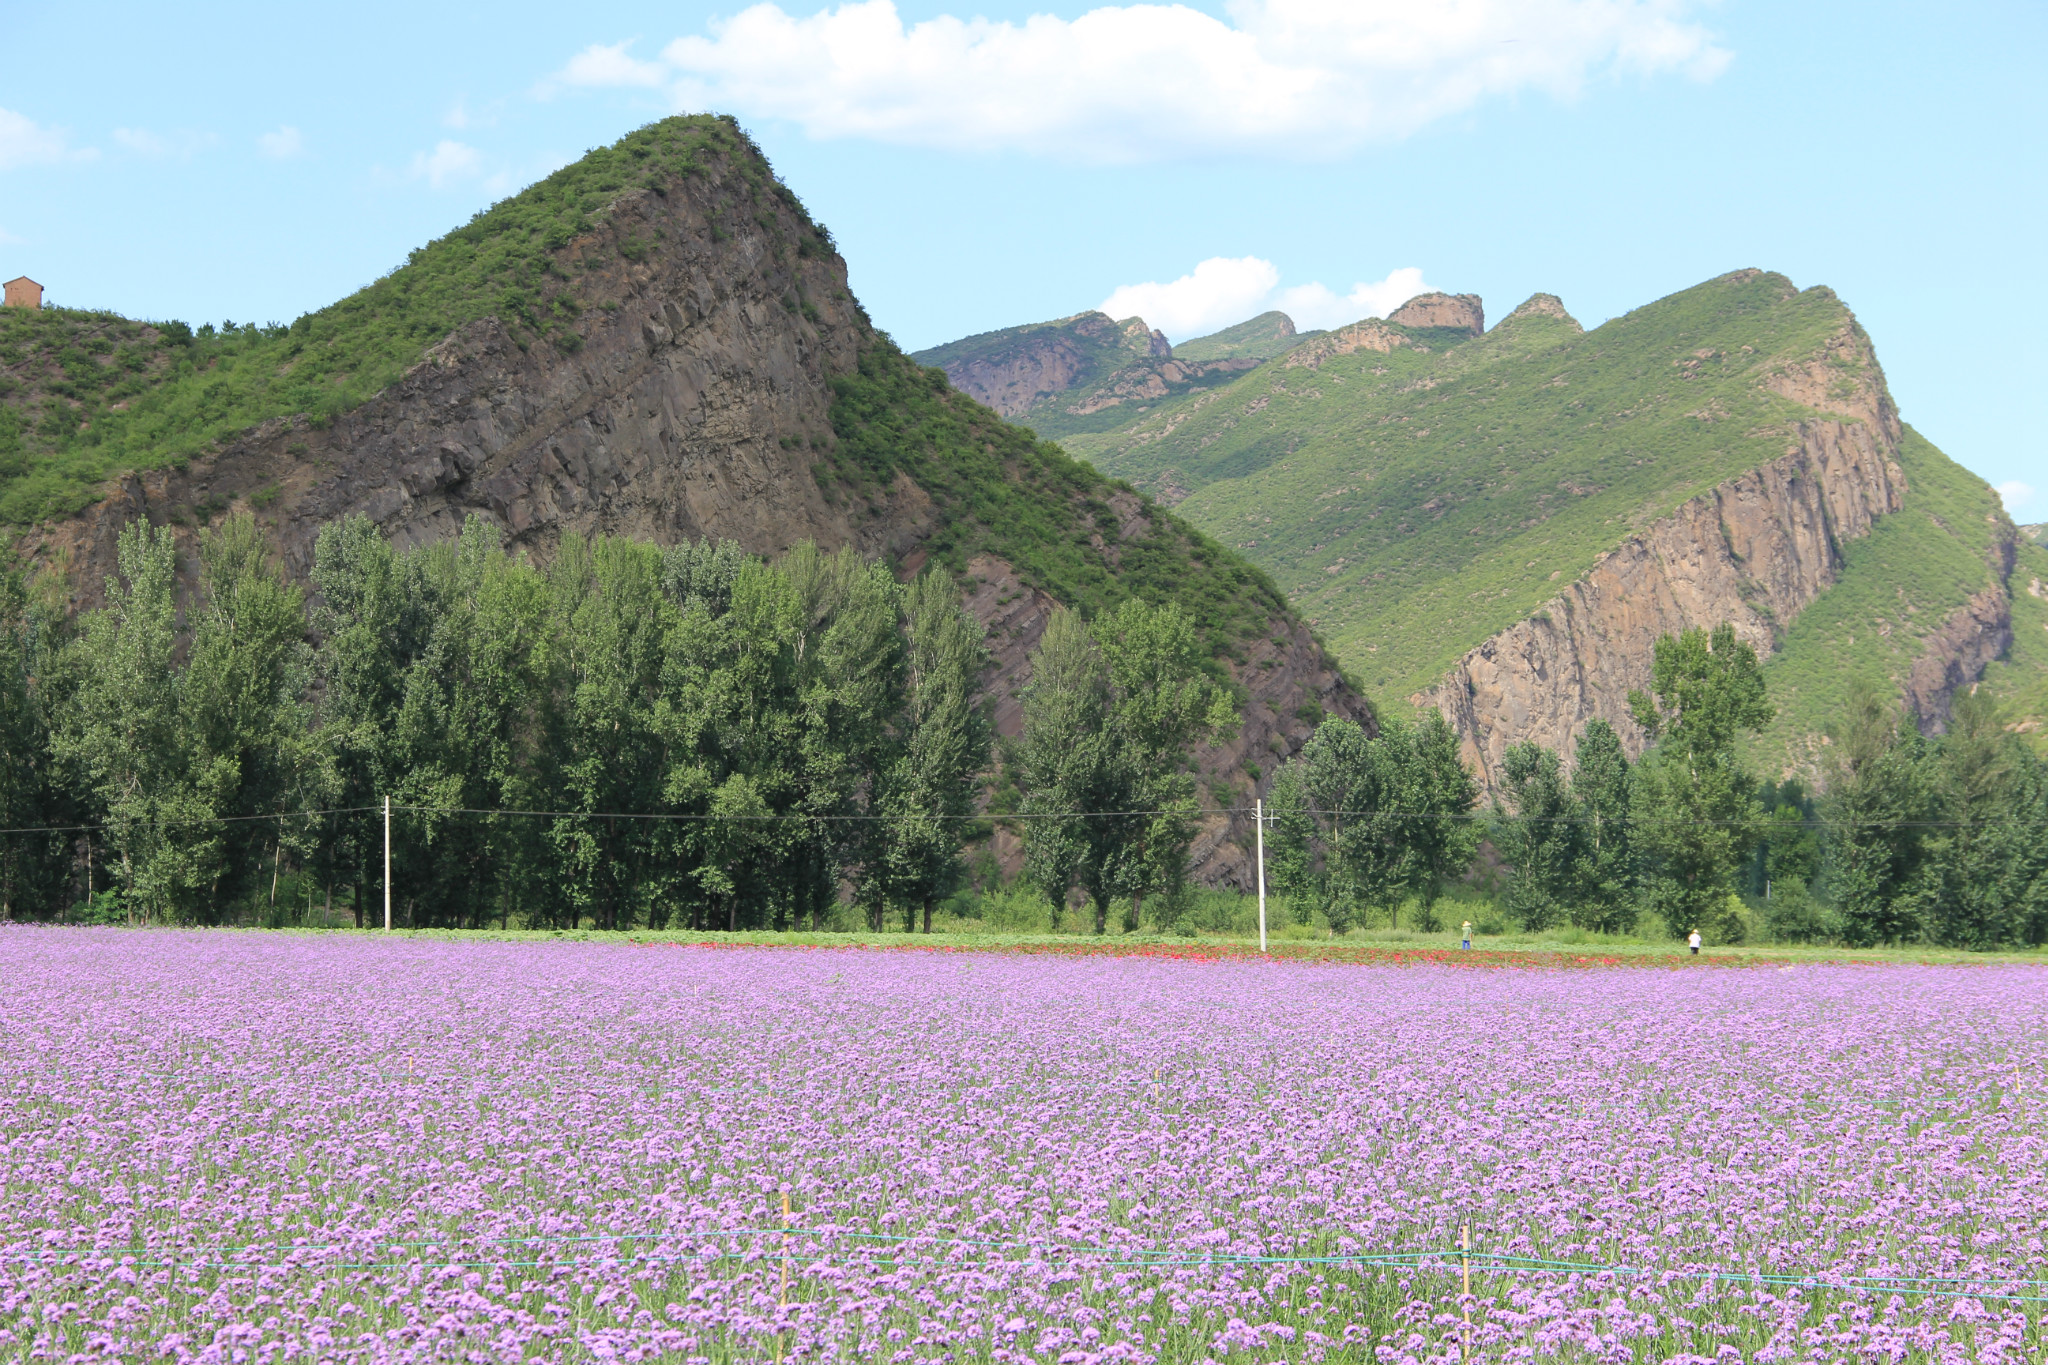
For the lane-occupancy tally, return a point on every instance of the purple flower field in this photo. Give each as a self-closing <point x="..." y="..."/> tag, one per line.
<point x="248" y="1147"/>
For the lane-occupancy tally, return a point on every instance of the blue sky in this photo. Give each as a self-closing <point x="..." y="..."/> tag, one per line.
<point x="251" y="161"/>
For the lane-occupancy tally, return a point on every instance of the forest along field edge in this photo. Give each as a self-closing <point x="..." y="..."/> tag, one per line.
<point x="696" y="738"/>
<point x="578" y="1150"/>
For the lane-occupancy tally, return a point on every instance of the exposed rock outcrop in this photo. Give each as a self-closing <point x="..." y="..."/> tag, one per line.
<point x="1015" y="370"/>
<point x="1369" y="335"/>
<point x="1956" y="653"/>
<point x="1753" y="551"/>
<point x="1152" y="380"/>
<point x="700" y="386"/>
<point x="1462" y="311"/>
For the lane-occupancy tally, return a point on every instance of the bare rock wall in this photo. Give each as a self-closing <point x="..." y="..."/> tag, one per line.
<point x="1753" y="551"/>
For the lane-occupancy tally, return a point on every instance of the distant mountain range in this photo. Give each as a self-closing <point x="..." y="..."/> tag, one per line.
<point x="1499" y="523"/>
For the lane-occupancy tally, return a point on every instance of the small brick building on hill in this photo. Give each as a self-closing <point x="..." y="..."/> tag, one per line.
<point x="23" y="292"/>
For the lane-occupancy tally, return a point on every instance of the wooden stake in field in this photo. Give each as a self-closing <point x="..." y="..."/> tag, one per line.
<point x="1465" y="1275"/>
<point x="387" y="864"/>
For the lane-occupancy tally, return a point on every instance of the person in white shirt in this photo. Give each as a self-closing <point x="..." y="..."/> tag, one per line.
<point x="1694" y="940"/>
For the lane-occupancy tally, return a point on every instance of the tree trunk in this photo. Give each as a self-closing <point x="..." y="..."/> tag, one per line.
<point x="1101" y="916"/>
<point x="927" y="914"/>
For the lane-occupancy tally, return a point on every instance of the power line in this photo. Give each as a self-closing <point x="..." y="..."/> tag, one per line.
<point x="1004" y="817"/>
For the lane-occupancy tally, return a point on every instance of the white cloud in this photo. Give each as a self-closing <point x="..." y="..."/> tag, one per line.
<point x="1301" y="78"/>
<point x="2015" y="494"/>
<point x="448" y="162"/>
<point x="282" y="145"/>
<point x="177" y="146"/>
<point x="606" y="66"/>
<point x="24" y="142"/>
<point x="1223" y="290"/>
<point x="1315" y="305"/>
<point x="1214" y="294"/>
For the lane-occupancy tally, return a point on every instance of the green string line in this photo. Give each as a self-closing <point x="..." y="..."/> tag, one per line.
<point x="1510" y="1261"/>
<point x="1439" y="1260"/>
<point x="1499" y="1260"/>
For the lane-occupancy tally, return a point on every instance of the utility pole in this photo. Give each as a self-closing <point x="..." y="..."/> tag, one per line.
<point x="1259" y="817"/>
<point x="387" y="864"/>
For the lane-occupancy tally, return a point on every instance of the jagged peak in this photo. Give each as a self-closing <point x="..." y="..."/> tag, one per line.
<point x="1541" y="306"/>
<point x="1147" y="339"/>
<point x="1464" y="312"/>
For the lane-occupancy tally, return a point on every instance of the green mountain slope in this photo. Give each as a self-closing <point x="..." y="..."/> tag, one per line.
<point x="504" y="262"/>
<point x="1416" y="494"/>
<point x="1415" y="501"/>
<point x="1261" y="338"/>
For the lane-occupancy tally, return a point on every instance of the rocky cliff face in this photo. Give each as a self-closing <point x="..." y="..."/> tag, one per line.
<point x="1958" y="651"/>
<point x="693" y="402"/>
<point x="1462" y="311"/>
<point x="1016" y="370"/>
<point x="1753" y="551"/>
<point x="696" y="392"/>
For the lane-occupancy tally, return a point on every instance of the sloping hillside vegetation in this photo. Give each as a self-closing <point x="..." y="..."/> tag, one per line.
<point x="1261" y="338"/>
<point x="1005" y="492"/>
<point x="657" y="344"/>
<point x="135" y="396"/>
<point x="1420" y="493"/>
<point x="1415" y="501"/>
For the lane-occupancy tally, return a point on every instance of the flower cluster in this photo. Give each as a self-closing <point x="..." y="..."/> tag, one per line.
<point x="246" y="1148"/>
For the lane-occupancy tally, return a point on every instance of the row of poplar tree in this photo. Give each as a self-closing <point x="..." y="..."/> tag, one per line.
<point x="629" y="736"/>
<point x="693" y="737"/>
<point x="1917" y="839"/>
